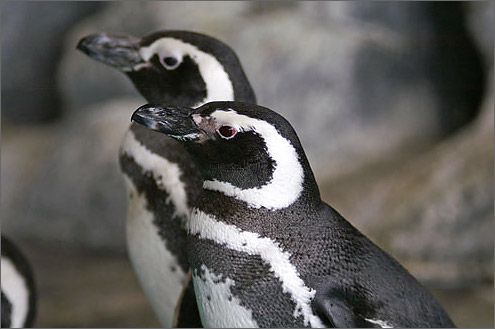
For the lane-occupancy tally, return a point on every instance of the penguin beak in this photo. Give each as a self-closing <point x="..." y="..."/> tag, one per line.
<point x="172" y="121"/>
<point x="118" y="50"/>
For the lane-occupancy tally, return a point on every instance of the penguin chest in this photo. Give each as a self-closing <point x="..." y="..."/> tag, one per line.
<point x="218" y="307"/>
<point x="157" y="268"/>
<point x="242" y="279"/>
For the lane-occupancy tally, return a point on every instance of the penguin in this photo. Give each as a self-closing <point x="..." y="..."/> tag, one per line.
<point x="264" y="249"/>
<point x="178" y="68"/>
<point x="18" y="288"/>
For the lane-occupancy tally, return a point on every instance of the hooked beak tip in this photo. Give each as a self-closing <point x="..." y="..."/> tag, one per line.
<point x="143" y="114"/>
<point x="83" y="45"/>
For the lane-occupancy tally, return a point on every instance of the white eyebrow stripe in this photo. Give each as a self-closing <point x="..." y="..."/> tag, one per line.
<point x="286" y="184"/>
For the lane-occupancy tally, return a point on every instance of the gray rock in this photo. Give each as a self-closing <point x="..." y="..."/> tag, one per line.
<point x="32" y="36"/>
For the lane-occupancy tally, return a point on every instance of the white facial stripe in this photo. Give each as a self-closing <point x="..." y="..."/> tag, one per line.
<point x="286" y="184"/>
<point x="272" y="254"/>
<point x="152" y="262"/>
<point x="218" y="84"/>
<point x="186" y="137"/>
<point x="135" y="68"/>
<point x="15" y="288"/>
<point x="382" y="324"/>
<point x="221" y="309"/>
<point x="167" y="174"/>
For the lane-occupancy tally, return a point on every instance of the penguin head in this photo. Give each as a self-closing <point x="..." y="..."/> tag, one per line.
<point x="242" y="150"/>
<point x="181" y="68"/>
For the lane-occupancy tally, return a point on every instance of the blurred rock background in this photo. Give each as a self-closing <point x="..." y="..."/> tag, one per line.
<point x="393" y="102"/>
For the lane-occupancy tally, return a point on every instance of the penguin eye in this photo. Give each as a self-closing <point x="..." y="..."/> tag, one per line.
<point x="227" y="132"/>
<point x="170" y="63"/>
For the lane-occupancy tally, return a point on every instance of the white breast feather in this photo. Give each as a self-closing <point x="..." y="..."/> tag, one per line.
<point x="152" y="262"/>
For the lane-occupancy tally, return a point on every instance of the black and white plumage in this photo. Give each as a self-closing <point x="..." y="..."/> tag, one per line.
<point x="266" y="251"/>
<point x="18" y="288"/>
<point x="177" y="68"/>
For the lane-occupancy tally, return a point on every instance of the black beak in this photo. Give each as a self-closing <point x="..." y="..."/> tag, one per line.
<point x="172" y="121"/>
<point x="118" y="50"/>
